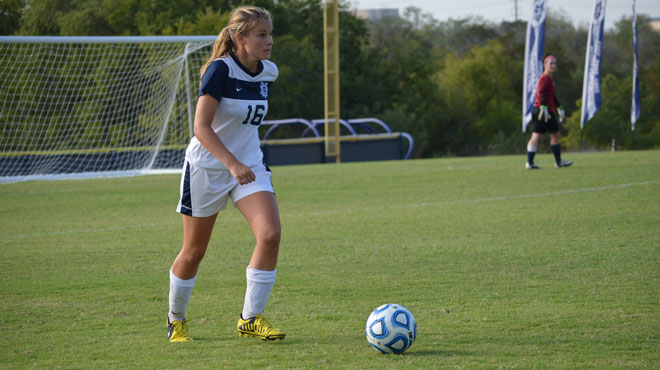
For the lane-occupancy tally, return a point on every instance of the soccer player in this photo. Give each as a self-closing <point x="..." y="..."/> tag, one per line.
<point x="224" y="160"/>
<point x="545" y="116"/>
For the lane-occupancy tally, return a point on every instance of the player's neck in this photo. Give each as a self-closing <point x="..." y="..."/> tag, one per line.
<point x="250" y="64"/>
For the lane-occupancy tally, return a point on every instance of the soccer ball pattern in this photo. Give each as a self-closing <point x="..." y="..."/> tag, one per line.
<point x="391" y="328"/>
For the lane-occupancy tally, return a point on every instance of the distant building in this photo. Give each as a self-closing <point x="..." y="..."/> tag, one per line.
<point x="377" y="14"/>
<point x="655" y="23"/>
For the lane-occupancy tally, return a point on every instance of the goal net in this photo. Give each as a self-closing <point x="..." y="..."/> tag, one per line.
<point x="96" y="106"/>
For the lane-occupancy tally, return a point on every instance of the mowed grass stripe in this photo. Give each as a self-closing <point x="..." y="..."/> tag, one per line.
<point x="323" y="213"/>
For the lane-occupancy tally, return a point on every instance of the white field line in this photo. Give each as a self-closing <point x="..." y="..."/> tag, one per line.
<point x="412" y="205"/>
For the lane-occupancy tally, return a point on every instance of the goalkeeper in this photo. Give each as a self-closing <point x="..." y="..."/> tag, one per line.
<point x="546" y="115"/>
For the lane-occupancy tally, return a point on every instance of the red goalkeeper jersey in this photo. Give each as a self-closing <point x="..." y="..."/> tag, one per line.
<point x="545" y="93"/>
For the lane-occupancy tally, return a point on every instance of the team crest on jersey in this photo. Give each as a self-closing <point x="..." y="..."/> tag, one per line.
<point x="264" y="90"/>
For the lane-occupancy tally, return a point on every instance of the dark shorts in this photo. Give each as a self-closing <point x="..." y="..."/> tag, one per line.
<point x="541" y="127"/>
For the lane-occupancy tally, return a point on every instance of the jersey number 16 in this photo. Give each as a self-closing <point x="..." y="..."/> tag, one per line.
<point x="256" y="118"/>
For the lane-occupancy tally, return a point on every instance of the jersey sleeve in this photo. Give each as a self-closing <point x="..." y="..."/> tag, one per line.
<point x="214" y="78"/>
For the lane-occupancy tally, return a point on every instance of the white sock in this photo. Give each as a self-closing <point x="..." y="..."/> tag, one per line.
<point x="179" y="296"/>
<point x="259" y="285"/>
<point x="531" y="148"/>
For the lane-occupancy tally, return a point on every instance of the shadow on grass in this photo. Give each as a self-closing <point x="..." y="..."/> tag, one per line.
<point x="247" y="341"/>
<point x="437" y="352"/>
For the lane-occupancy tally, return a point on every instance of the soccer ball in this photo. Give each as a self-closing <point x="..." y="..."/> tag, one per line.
<point x="391" y="328"/>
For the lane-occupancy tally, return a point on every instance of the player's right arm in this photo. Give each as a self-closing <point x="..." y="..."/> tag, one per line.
<point x="206" y="108"/>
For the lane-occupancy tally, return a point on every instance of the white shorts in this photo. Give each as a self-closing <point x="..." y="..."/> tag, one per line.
<point x="204" y="193"/>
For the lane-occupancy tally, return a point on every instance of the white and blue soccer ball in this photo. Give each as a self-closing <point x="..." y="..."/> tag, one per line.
<point x="391" y="328"/>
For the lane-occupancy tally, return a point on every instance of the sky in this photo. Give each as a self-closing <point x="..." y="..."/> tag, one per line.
<point x="578" y="11"/>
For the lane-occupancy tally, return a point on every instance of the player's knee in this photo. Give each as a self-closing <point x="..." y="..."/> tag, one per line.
<point x="271" y="237"/>
<point x="192" y="256"/>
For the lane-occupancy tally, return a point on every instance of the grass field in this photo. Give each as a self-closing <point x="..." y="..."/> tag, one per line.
<point x="502" y="268"/>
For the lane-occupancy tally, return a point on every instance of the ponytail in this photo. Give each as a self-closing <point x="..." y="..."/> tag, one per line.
<point x="222" y="47"/>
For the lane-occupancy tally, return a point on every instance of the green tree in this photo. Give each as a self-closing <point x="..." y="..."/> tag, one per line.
<point x="401" y="63"/>
<point x="647" y="128"/>
<point x="480" y="96"/>
<point x="41" y="18"/>
<point x="612" y="121"/>
<point x="11" y="14"/>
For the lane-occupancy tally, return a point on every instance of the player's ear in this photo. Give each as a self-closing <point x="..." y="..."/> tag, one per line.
<point x="239" y="38"/>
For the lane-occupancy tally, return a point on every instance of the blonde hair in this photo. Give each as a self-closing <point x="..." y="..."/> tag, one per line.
<point x="241" y="21"/>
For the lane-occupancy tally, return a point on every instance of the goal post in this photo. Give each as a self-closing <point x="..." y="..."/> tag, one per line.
<point x="331" y="78"/>
<point x="96" y="105"/>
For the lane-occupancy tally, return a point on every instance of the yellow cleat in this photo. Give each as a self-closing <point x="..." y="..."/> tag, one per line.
<point x="177" y="331"/>
<point x="258" y="326"/>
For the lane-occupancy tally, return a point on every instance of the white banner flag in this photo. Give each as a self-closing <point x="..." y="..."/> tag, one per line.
<point x="533" y="58"/>
<point x="634" y="113"/>
<point x="591" y="89"/>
